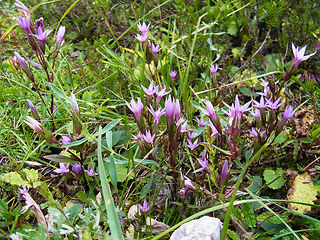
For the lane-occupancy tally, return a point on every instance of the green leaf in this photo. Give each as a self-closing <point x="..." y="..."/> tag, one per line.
<point x="59" y="158"/>
<point x="57" y="91"/>
<point x="122" y="173"/>
<point x="26" y="177"/>
<point x="233" y="235"/>
<point x="82" y="197"/>
<point x="274" y="179"/>
<point x="112" y="170"/>
<point x="109" y="139"/>
<point x="280" y="138"/>
<point x="302" y="191"/>
<point x="146" y="187"/>
<point x="74" y="211"/>
<point x="233" y="28"/>
<point x="315" y="133"/>
<point x="249" y="214"/>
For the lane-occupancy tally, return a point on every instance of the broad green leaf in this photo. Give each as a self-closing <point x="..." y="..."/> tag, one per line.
<point x="109" y="139"/>
<point x="122" y="173"/>
<point x="274" y="179"/>
<point x="302" y="191"/>
<point x="73" y="211"/>
<point x="27" y="177"/>
<point x="233" y="235"/>
<point x="112" y="170"/>
<point x="146" y="187"/>
<point x="59" y="158"/>
<point x="82" y="197"/>
<point x="57" y="91"/>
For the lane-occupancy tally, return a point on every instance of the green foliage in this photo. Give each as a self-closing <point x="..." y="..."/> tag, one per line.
<point x="274" y="179"/>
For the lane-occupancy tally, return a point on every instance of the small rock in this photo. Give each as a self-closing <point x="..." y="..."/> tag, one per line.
<point x="156" y="226"/>
<point x="205" y="228"/>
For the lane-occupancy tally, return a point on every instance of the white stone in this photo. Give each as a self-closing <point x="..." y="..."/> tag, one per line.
<point x="205" y="228"/>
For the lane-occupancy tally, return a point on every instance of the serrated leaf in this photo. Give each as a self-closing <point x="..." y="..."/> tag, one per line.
<point x="302" y="191"/>
<point x="233" y="235"/>
<point x="30" y="177"/>
<point x="274" y="179"/>
<point x="249" y="214"/>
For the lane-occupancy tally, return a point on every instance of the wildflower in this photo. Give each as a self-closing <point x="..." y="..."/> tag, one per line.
<point x="137" y="137"/>
<point x="191" y="135"/>
<point x="75" y="114"/>
<point x="143" y="28"/>
<point x="201" y="122"/>
<point x="136" y="108"/>
<point x="274" y="105"/>
<point x="260" y="104"/>
<point x="214" y="69"/>
<point x="224" y="173"/>
<point x="156" y="114"/>
<point x="173" y="74"/>
<point x="148" y="137"/>
<point x="211" y="113"/>
<point x="257" y="132"/>
<point x="144" y="207"/>
<point x="193" y="145"/>
<point x="183" y="124"/>
<point x="42" y="36"/>
<point x="59" y="36"/>
<point x="255" y="113"/>
<point x="213" y="129"/>
<point x="74" y="104"/>
<point x="155" y="49"/>
<point x="142" y="38"/>
<point x="172" y="110"/>
<point x="33" y="110"/>
<point x="182" y="192"/>
<point x="76" y="168"/>
<point x="299" y="55"/>
<point x="34" y="124"/>
<point x="25" y="24"/>
<point x="24" y="190"/>
<point x="40" y="24"/>
<point x="65" y="140"/>
<point x="203" y="161"/>
<point x="288" y="113"/>
<point x="150" y="90"/>
<point x="63" y="168"/>
<point x="24" y="66"/>
<point x="90" y="172"/>
<point x="188" y="183"/>
<point x="22" y="8"/>
<point x="160" y="94"/>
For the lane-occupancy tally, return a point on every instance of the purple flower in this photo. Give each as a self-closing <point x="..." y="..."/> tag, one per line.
<point x="90" y="172"/>
<point x="274" y="105"/>
<point x="160" y="94"/>
<point x="235" y="112"/>
<point x="211" y="113"/>
<point x="224" y="173"/>
<point x="25" y="24"/>
<point x="59" y="36"/>
<point x="201" y="122"/>
<point x="214" y="69"/>
<point x="213" y="129"/>
<point x="182" y="192"/>
<point x="183" y="123"/>
<point x="65" y="140"/>
<point x="136" y="108"/>
<point x="142" y="38"/>
<point x="42" y="36"/>
<point x="144" y="207"/>
<point x="22" y="8"/>
<point x="203" y="161"/>
<point x="299" y="55"/>
<point x="40" y="24"/>
<point x="188" y="183"/>
<point x="74" y="104"/>
<point x="24" y="65"/>
<point x="173" y="74"/>
<point x="193" y="145"/>
<point x="63" y="168"/>
<point x="191" y="135"/>
<point x="76" y="168"/>
<point x="151" y="90"/>
<point x="148" y="137"/>
<point x="137" y="137"/>
<point x="260" y="104"/>
<point x="33" y="110"/>
<point x="34" y="124"/>
<point x="172" y="110"/>
<point x="256" y="132"/>
<point x="255" y="113"/>
<point x="24" y="190"/>
<point x="156" y="114"/>
<point x="288" y="113"/>
<point x="155" y="49"/>
<point x="143" y="28"/>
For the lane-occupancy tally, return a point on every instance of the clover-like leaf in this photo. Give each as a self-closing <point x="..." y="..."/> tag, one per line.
<point x="274" y="179"/>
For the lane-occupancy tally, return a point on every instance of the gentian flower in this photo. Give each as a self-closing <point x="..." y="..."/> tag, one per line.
<point x="24" y="66"/>
<point x="90" y="172"/>
<point x="136" y="108"/>
<point x="201" y="122"/>
<point x="274" y="105"/>
<point x="143" y="28"/>
<point x="34" y="124"/>
<point x="224" y="173"/>
<point x="75" y="114"/>
<point x="203" y="161"/>
<point x="59" y="36"/>
<point x="213" y="129"/>
<point x="150" y="90"/>
<point x="144" y="207"/>
<point x="63" y="168"/>
<point x="160" y="94"/>
<point x="22" y="8"/>
<point x="148" y="137"/>
<point x="288" y="113"/>
<point x="173" y="74"/>
<point x="40" y="24"/>
<point x="191" y="135"/>
<point x="172" y="110"/>
<point x="33" y="110"/>
<point x="25" y="23"/>
<point x="299" y="55"/>
<point x="183" y="125"/>
<point x="155" y="49"/>
<point x="188" y="183"/>
<point x="142" y="38"/>
<point x="42" y="36"/>
<point x="156" y="114"/>
<point x="137" y="137"/>
<point x="193" y="145"/>
<point x="65" y="140"/>
<point x="214" y="69"/>
<point x="211" y="113"/>
<point x="76" y="168"/>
